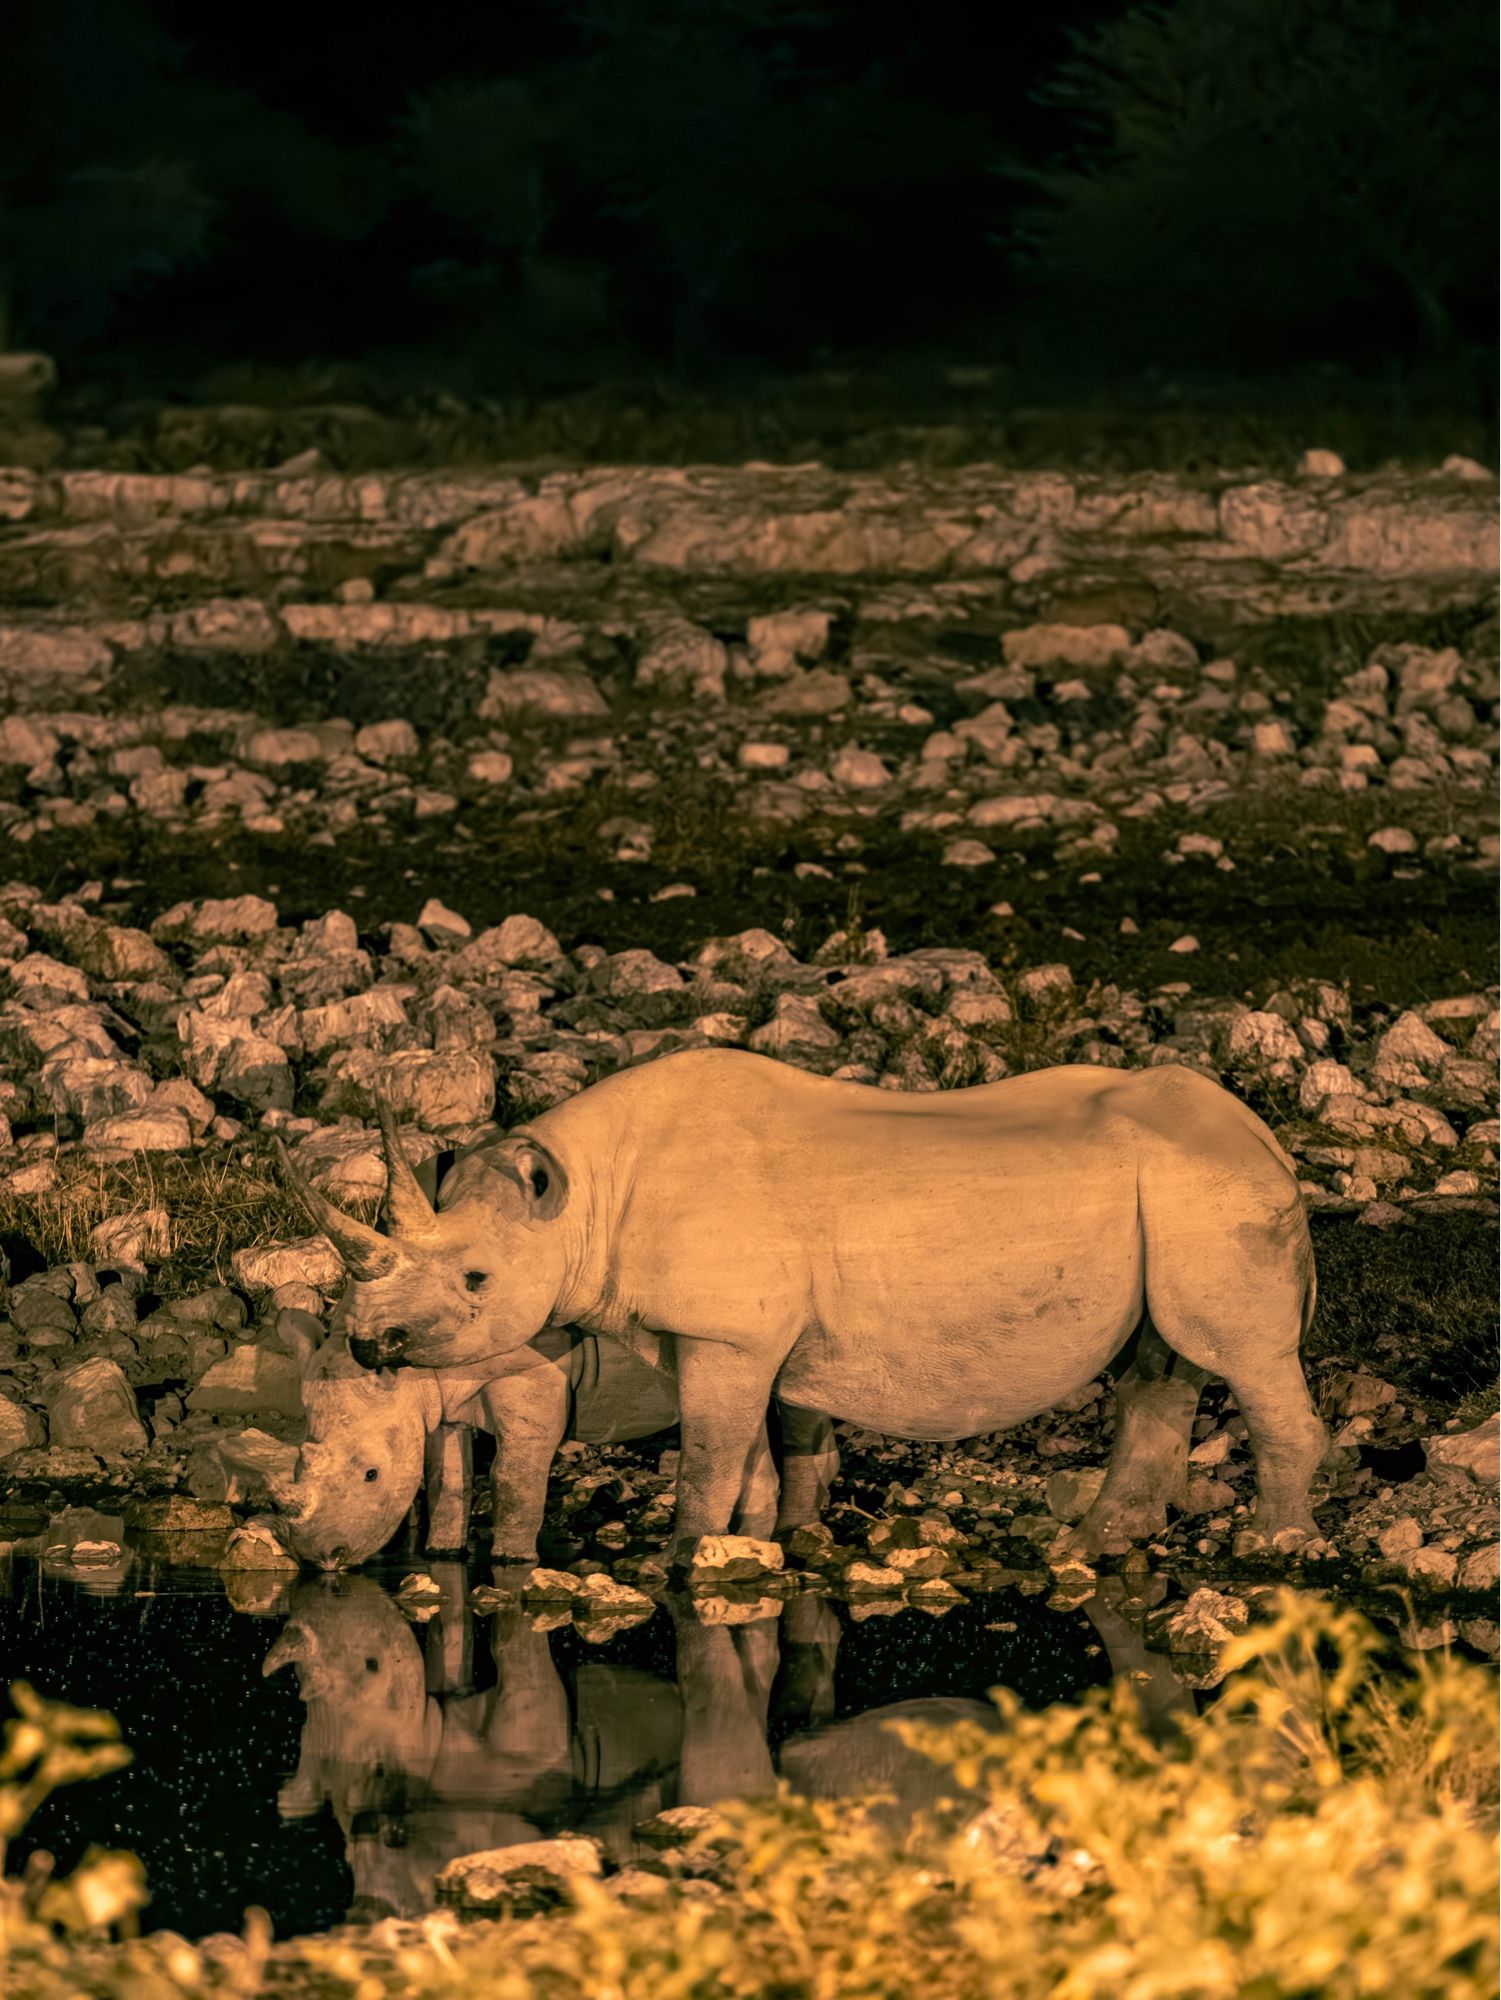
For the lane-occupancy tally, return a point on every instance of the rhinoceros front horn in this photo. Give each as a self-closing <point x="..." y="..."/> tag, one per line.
<point x="367" y="1253"/>
<point x="409" y="1209"/>
<point x="290" y="1649"/>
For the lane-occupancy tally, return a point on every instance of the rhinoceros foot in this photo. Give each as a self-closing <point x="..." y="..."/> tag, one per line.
<point x="1112" y="1529"/>
<point x="1300" y="1539"/>
<point x="514" y="1555"/>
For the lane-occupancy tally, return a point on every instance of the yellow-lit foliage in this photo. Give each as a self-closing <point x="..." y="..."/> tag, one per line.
<point x="1323" y="1832"/>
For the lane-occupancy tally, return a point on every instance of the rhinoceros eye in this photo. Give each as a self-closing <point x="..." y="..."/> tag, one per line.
<point x="476" y="1281"/>
<point x="373" y="1473"/>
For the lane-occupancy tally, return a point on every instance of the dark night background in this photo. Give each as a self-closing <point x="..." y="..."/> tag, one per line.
<point x="547" y="196"/>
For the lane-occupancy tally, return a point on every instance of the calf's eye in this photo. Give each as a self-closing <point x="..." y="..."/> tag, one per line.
<point x="476" y="1281"/>
<point x="373" y="1473"/>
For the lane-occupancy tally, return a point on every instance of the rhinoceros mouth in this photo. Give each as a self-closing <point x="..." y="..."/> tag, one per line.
<point x="379" y="1350"/>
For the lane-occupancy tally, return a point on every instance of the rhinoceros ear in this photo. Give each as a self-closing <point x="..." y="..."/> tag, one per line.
<point x="407" y="1204"/>
<point x="536" y="1171"/>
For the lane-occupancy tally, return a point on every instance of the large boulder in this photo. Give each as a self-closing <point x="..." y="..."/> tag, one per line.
<point x="248" y="1379"/>
<point x="93" y="1408"/>
<point x="532" y="1875"/>
<point x="20" y="1427"/>
<point x="1474" y="1455"/>
<point x="444" y="1090"/>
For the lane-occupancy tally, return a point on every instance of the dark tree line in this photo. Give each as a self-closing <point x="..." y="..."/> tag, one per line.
<point x="688" y="182"/>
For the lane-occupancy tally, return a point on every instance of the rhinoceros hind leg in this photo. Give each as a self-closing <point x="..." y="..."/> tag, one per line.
<point x="1238" y="1303"/>
<point x="1165" y="1703"/>
<point x="1289" y="1443"/>
<point x="1156" y="1399"/>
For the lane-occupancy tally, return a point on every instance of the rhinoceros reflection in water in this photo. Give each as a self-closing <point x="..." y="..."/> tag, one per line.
<point x="418" y="1767"/>
<point x="414" y="1780"/>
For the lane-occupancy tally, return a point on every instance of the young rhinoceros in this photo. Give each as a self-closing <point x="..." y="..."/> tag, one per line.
<point x="375" y="1439"/>
<point x="931" y="1265"/>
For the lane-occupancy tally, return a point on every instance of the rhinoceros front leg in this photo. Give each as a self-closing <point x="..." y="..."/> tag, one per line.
<point x="528" y="1412"/>
<point x="449" y="1469"/>
<point x="722" y="1394"/>
<point x="724" y="1683"/>
<point x="448" y="1648"/>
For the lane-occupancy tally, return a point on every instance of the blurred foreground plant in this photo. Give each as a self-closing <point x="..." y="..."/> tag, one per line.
<point x="1324" y="1832"/>
<point x="48" y="1744"/>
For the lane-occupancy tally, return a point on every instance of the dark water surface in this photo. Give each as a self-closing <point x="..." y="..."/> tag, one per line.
<point x="375" y="1749"/>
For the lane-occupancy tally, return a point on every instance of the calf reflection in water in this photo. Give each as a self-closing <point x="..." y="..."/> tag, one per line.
<point x="420" y="1767"/>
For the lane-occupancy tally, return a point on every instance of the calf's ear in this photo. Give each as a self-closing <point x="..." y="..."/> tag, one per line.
<point x="536" y="1172"/>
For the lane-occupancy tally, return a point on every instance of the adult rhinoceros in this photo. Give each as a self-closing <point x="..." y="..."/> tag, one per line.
<point x="929" y="1265"/>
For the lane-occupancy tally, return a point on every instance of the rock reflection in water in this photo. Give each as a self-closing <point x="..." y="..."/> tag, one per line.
<point x="419" y="1765"/>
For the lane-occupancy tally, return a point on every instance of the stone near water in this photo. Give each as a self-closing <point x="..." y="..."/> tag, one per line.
<point x="257" y="1546"/>
<point x="1430" y="1563"/>
<point x="602" y="1597"/>
<point x="550" y="1586"/>
<point x="677" y="1826"/>
<point x="532" y="1875"/>
<point x="728" y="1558"/>
<point x="868" y="1579"/>
<point x="1400" y="1539"/>
<point x="1206" y="1619"/>
<point x="21" y="1428"/>
<point x="93" y="1406"/>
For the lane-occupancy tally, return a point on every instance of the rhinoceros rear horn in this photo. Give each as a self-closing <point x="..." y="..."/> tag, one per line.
<point x="367" y="1253"/>
<point x="409" y="1209"/>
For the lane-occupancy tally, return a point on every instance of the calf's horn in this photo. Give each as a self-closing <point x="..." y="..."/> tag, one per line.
<point x="408" y="1207"/>
<point x="367" y="1253"/>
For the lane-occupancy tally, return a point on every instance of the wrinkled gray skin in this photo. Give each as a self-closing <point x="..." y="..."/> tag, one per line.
<point x="927" y="1265"/>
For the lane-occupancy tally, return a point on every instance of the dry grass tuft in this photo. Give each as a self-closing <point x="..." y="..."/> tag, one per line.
<point x="214" y="1206"/>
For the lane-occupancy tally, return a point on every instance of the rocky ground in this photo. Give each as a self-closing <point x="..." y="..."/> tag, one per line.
<point x="476" y="786"/>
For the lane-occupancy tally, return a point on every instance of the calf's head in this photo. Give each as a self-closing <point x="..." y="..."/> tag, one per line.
<point x="358" y="1474"/>
<point x="457" y="1285"/>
